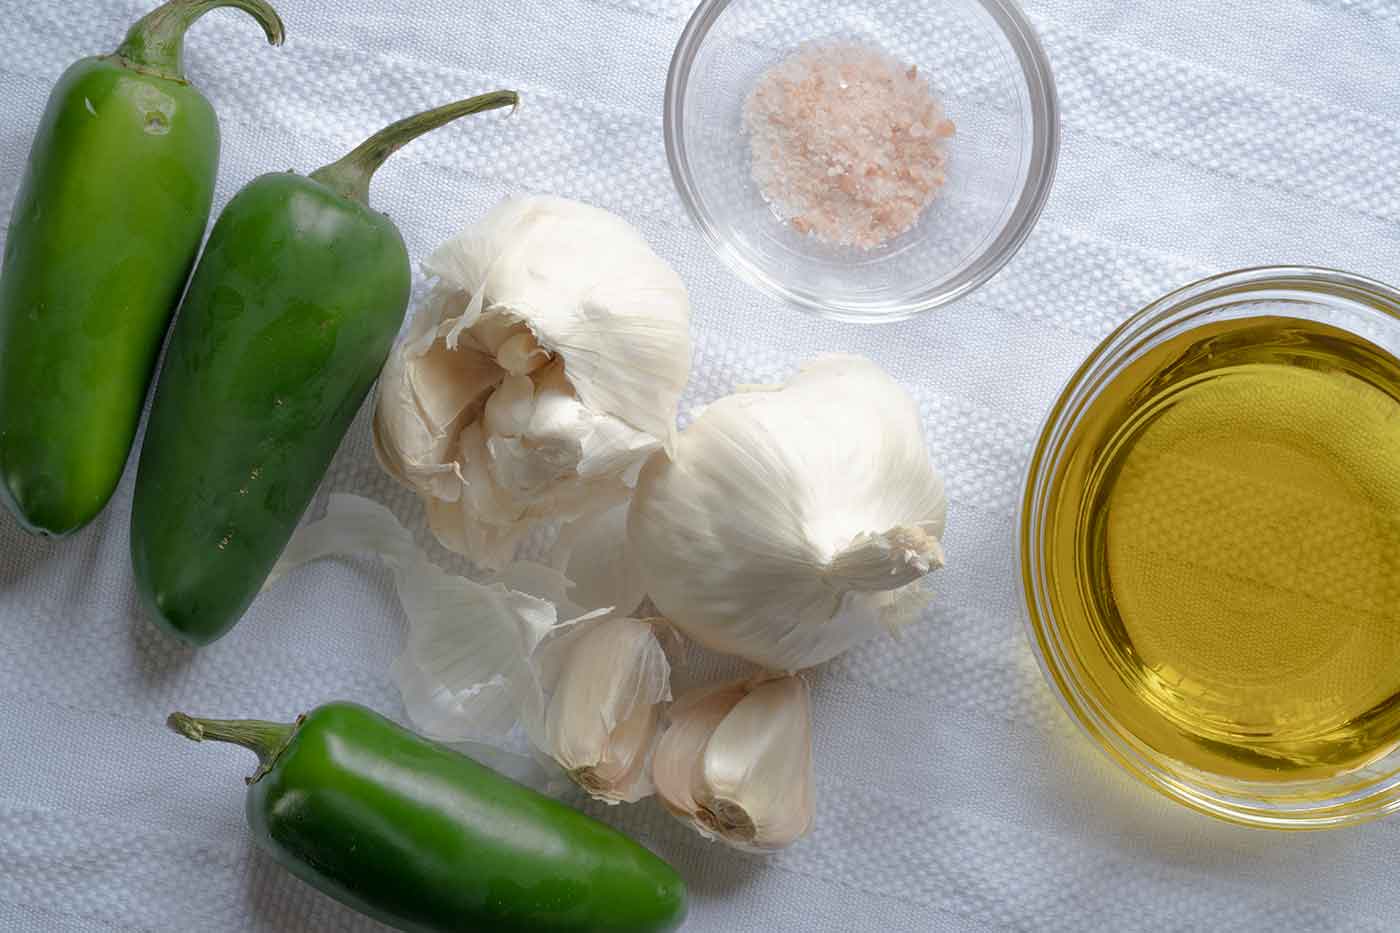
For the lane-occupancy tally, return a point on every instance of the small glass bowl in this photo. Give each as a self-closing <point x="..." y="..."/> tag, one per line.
<point x="983" y="62"/>
<point x="1359" y="305"/>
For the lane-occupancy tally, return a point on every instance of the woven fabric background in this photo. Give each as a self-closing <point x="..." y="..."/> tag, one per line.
<point x="953" y="793"/>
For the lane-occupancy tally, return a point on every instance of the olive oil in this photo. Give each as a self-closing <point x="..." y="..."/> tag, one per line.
<point x="1224" y="549"/>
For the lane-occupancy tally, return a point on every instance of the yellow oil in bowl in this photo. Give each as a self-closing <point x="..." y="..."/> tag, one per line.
<point x="1229" y="569"/>
<point x="1210" y="546"/>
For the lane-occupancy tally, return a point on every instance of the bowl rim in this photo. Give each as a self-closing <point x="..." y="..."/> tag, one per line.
<point x="1256" y="804"/>
<point x="1030" y="201"/>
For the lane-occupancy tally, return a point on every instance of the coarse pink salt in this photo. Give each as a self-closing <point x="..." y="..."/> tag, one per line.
<point x="847" y="143"/>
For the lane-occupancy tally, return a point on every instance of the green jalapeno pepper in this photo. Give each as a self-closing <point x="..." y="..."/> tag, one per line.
<point x="289" y="317"/>
<point x="425" y="839"/>
<point x="106" y="226"/>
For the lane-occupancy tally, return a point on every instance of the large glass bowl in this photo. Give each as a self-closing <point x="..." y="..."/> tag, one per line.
<point x="1361" y="306"/>
<point x="984" y="63"/>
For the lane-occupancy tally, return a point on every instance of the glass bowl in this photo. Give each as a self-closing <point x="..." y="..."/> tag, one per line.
<point x="1355" y="304"/>
<point x="983" y="62"/>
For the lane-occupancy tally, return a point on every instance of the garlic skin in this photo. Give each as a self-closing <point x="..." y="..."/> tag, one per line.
<point x="592" y="552"/>
<point x="604" y="715"/>
<point x="480" y="657"/>
<point x="793" y="521"/>
<point x="485" y="660"/>
<point x="544" y="368"/>
<point x="736" y="763"/>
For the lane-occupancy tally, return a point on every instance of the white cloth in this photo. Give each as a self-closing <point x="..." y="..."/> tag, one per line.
<point x="953" y="793"/>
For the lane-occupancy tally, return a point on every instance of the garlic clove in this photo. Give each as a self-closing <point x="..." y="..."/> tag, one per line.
<point x="521" y="354"/>
<point x="449" y="385"/>
<point x="510" y="407"/>
<point x="427" y="393"/>
<point x="445" y="522"/>
<point x="527" y="472"/>
<point x="606" y="445"/>
<point x="525" y="462"/>
<point x="495" y="328"/>
<point x="755" y="781"/>
<point x="694" y="719"/>
<point x="523" y="465"/>
<point x="736" y="763"/>
<point x="603" y="715"/>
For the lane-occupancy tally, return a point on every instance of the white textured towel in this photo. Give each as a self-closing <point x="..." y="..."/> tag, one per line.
<point x="953" y="793"/>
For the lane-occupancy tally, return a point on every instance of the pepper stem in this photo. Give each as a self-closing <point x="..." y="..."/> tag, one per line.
<point x="350" y="176"/>
<point x="156" y="42"/>
<point x="266" y="739"/>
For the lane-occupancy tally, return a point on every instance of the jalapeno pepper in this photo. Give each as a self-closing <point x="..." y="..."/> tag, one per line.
<point x="425" y="839"/>
<point x="107" y="224"/>
<point x="288" y="319"/>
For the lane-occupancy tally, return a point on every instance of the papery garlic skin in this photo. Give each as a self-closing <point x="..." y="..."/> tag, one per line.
<point x="604" y="713"/>
<point x="586" y="688"/>
<point x="793" y="521"/>
<point x="544" y="368"/>
<point x="593" y="554"/>
<point x="736" y="763"/>
<point x="479" y="657"/>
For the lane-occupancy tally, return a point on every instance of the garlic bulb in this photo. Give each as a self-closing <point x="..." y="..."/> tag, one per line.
<point x="736" y="763"/>
<point x="482" y="658"/>
<point x="544" y="368"/>
<point x="793" y="521"/>
<point x="604" y="713"/>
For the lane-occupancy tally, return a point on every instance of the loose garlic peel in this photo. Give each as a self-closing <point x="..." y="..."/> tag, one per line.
<point x="592" y="552"/>
<point x="481" y="658"/>
<point x="736" y="763"/>
<point x="545" y="366"/>
<point x="793" y="521"/>
<point x="478" y="657"/>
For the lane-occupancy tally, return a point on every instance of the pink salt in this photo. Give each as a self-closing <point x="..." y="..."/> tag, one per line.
<point x="847" y="144"/>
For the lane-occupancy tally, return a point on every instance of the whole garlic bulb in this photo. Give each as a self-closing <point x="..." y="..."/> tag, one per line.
<point x="736" y="763"/>
<point x="544" y="368"/>
<point x="793" y="521"/>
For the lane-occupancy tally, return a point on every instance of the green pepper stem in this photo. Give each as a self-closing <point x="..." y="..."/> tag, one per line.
<point x="156" y="42"/>
<point x="350" y="176"/>
<point x="266" y="739"/>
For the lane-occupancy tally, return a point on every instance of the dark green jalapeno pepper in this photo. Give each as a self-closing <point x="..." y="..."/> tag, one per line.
<point x="106" y="226"/>
<point x="425" y="839"/>
<point x="289" y="317"/>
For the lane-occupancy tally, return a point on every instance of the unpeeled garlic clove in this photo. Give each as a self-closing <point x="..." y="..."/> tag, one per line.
<point x="603" y="716"/>
<point x="681" y="750"/>
<point x="521" y="354"/>
<point x="736" y="763"/>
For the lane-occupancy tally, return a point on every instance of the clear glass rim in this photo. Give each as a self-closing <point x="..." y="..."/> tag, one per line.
<point x="1262" y="805"/>
<point x="1044" y="156"/>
